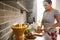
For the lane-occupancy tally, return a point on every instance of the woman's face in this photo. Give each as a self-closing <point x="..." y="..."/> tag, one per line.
<point x="46" y="5"/>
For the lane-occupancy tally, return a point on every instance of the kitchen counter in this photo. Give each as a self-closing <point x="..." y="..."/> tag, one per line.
<point x="42" y="38"/>
<point x="39" y="38"/>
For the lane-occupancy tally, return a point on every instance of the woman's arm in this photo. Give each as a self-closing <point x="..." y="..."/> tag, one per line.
<point x="56" y="24"/>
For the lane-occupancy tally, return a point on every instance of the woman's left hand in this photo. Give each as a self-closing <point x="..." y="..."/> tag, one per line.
<point x="47" y="29"/>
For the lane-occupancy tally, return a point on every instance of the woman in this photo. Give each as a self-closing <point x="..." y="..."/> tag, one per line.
<point x="49" y="16"/>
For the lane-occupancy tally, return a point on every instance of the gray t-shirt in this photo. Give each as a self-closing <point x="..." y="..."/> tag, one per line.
<point x="49" y="18"/>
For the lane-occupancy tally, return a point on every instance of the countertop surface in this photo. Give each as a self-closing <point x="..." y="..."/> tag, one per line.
<point x="42" y="38"/>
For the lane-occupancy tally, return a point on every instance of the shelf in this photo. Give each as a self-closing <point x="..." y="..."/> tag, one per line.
<point x="18" y="4"/>
<point x="6" y="35"/>
<point x="9" y="21"/>
<point x="22" y="6"/>
<point x="4" y="29"/>
<point x="8" y="5"/>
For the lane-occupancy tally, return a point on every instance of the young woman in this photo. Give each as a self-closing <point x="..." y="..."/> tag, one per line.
<point x="49" y="16"/>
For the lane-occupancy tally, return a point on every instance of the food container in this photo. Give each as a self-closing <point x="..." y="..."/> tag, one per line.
<point x="18" y="30"/>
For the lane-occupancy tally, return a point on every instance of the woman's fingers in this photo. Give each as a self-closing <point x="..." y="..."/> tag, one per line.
<point x="46" y="29"/>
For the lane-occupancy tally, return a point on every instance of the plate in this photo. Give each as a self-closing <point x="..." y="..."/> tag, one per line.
<point x="37" y="34"/>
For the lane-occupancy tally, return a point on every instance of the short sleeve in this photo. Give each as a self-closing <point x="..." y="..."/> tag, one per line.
<point x="56" y="12"/>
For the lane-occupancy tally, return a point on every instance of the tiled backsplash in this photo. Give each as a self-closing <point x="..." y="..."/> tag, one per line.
<point x="8" y="16"/>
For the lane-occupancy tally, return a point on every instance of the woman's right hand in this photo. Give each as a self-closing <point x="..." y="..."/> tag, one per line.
<point x="38" y="29"/>
<point x="47" y="29"/>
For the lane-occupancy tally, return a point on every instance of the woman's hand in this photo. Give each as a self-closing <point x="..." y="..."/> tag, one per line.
<point x="47" y="29"/>
<point x="38" y="30"/>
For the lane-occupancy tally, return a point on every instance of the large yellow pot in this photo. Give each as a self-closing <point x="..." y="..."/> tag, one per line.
<point x="18" y="31"/>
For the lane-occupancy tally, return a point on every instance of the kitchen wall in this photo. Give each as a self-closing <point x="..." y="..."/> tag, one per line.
<point x="35" y="9"/>
<point x="32" y="12"/>
<point x="58" y="5"/>
<point x="9" y="15"/>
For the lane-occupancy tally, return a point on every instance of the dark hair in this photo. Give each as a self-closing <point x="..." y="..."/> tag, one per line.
<point x="49" y="1"/>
